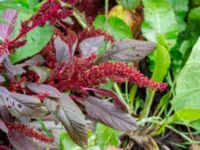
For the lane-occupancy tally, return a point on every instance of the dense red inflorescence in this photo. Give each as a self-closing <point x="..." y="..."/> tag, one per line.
<point x="84" y="73"/>
<point x="30" y="132"/>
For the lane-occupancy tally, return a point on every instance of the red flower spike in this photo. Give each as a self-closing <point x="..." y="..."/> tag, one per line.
<point x="30" y="132"/>
<point x="51" y="11"/>
<point x="91" y="32"/>
<point x="83" y="73"/>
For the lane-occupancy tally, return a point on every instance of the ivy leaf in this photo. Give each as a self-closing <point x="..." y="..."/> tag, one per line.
<point x="115" y="26"/>
<point x="91" y="45"/>
<point x="108" y="114"/>
<point x="159" y="20"/>
<point x="68" y="113"/>
<point x="44" y="88"/>
<point x="129" y="50"/>
<point x="10" y="17"/>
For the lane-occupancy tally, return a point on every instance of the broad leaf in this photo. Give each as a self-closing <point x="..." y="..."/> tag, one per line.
<point x="9" y="16"/>
<point x="110" y="115"/>
<point x="106" y="136"/>
<point x="12" y="70"/>
<point x="115" y="26"/>
<point x="68" y="113"/>
<point x="186" y="103"/>
<point x="20" y="104"/>
<point x="129" y="50"/>
<point x="194" y="14"/>
<point x="91" y="45"/>
<point x="109" y="93"/>
<point x="42" y="72"/>
<point x="180" y="8"/>
<point x="44" y="89"/>
<point x="159" y="20"/>
<point x="65" y="49"/>
<point x="36" y="40"/>
<point x="20" y="142"/>
<point x="2" y="79"/>
<point x="162" y="61"/>
<point x="130" y="4"/>
<point x="3" y="127"/>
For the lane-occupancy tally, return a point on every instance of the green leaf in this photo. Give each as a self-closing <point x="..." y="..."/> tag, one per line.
<point x="106" y="136"/>
<point x="159" y="20"/>
<point x="115" y="26"/>
<point x="66" y="143"/>
<point x="186" y="103"/>
<point x="180" y="8"/>
<point x="129" y="4"/>
<point x="36" y="40"/>
<point x="194" y="14"/>
<point x="162" y="63"/>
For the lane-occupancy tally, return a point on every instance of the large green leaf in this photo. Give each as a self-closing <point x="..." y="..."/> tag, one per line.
<point x="162" y="63"/>
<point x="106" y="136"/>
<point x="36" y="40"/>
<point x="115" y="26"/>
<point x="180" y="8"/>
<point x="129" y="4"/>
<point x="159" y="20"/>
<point x="194" y="14"/>
<point x="186" y="103"/>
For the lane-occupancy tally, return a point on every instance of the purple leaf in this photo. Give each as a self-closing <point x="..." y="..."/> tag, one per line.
<point x="71" y="117"/>
<point x="21" y="142"/>
<point x="3" y="127"/>
<point x="110" y="93"/>
<point x="36" y="60"/>
<point x="2" y="79"/>
<point x="10" y="16"/>
<point x="23" y="105"/>
<point x="12" y="70"/>
<point x="108" y="114"/>
<point x="42" y="72"/>
<point x="91" y="45"/>
<point x="45" y="89"/>
<point x="129" y="50"/>
<point x="65" y="49"/>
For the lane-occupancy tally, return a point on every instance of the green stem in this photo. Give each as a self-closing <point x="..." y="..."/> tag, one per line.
<point x="181" y="134"/>
<point x="44" y="128"/>
<point x="132" y="95"/>
<point x="117" y="89"/>
<point x="80" y="20"/>
<point x="147" y="105"/>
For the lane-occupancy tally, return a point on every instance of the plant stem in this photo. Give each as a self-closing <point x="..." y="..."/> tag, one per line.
<point x="132" y="95"/>
<point x="117" y="89"/>
<point x="147" y="105"/>
<point x="79" y="19"/>
<point x="181" y="134"/>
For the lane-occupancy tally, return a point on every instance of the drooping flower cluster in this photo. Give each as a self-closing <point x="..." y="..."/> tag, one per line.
<point x="84" y="73"/>
<point x="30" y="132"/>
<point x="51" y="11"/>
